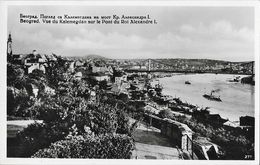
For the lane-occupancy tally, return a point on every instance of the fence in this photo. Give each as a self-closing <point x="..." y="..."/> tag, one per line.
<point x="180" y="133"/>
<point x="189" y="146"/>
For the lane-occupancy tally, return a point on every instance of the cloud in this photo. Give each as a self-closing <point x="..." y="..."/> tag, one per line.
<point x="217" y="39"/>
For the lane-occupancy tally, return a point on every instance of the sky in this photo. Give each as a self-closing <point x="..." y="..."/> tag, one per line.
<point x="221" y="33"/>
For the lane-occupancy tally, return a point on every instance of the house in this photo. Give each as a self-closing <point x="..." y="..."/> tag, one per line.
<point x="49" y="90"/>
<point x="51" y="58"/>
<point x="247" y="121"/>
<point x="151" y="109"/>
<point x="42" y="68"/>
<point x="97" y="69"/>
<point x="35" y="61"/>
<point x="100" y="76"/>
<point x="125" y="86"/>
<point x="118" y="80"/>
<point x="135" y="67"/>
<point x="216" y="119"/>
<point x="119" y="77"/>
<point x="30" y="60"/>
<point x="206" y="116"/>
<point x="34" y="66"/>
<point x="233" y="124"/>
<point x="42" y="58"/>
<point x="35" y="90"/>
<point x="115" y="89"/>
<point x="79" y="64"/>
<point x="71" y="66"/>
<point x="17" y="58"/>
<point x="110" y="70"/>
<point x="78" y="76"/>
<point x="92" y="96"/>
<point x="109" y="86"/>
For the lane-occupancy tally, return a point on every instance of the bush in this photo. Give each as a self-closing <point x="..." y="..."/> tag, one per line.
<point x="166" y="113"/>
<point x="106" y="146"/>
<point x="231" y="141"/>
<point x="39" y="135"/>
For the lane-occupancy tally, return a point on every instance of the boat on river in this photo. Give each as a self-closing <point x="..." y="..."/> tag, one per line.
<point x="236" y="79"/>
<point x="212" y="97"/>
<point x="187" y="82"/>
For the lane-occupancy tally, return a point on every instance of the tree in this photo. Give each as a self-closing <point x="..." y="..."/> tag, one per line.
<point x="123" y="123"/>
<point x="15" y="76"/>
<point x="104" y="119"/>
<point x="65" y="115"/>
<point x="106" y="146"/>
<point x="103" y="84"/>
<point x="10" y="101"/>
<point x="166" y="113"/>
<point x="124" y="97"/>
<point x="37" y="75"/>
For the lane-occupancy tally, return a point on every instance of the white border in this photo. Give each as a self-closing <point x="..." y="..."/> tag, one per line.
<point x="3" y="33"/>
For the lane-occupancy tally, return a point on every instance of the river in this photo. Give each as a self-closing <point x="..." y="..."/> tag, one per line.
<point x="237" y="99"/>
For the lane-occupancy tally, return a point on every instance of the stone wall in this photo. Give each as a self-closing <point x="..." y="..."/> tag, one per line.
<point x="179" y="133"/>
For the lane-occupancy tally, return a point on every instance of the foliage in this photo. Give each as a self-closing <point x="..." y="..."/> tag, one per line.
<point x="18" y="102"/>
<point x="103" y="84"/>
<point x="68" y="112"/>
<point x="124" y="97"/>
<point x="135" y="109"/>
<point x="123" y="123"/>
<point x="103" y="118"/>
<point x="55" y="73"/>
<point x="10" y="101"/>
<point x="234" y="143"/>
<point x="166" y="113"/>
<point x="37" y="75"/>
<point x="37" y="136"/>
<point x="15" y="76"/>
<point x="105" y="146"/>
<point x="68" y="115"/>
<point x="137" y="95"/>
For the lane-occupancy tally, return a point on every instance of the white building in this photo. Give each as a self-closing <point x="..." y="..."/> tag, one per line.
<point x="100" y="77"/>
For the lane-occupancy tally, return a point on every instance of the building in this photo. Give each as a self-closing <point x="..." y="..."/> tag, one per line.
<point x="49" y="90"/>
<point x="17" y="58"/>
<point x="78" y="76"/>
<point x="247" y="121"/>
<point x="35" y="90"/>
<point x="100" y="76"/>
<point x="204" y="115"/>
<point x="96" y="69"/>
<point x="120" y="78"/>
<point x="34" y="61"/>
<point x="9" y="47"/>
<point x="71" y="66"/>
<point x="79" y="64"/>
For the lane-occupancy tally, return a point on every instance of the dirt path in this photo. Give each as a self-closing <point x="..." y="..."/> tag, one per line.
<point x="150" y="144"/>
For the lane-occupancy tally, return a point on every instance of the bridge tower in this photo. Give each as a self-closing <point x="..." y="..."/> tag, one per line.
<point x="149" y="64"/>
<point x="230" y="66"/>
<point x="253" y="68"/>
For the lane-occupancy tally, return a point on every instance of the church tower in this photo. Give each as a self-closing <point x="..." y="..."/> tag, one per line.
<point x="9" y="46"/>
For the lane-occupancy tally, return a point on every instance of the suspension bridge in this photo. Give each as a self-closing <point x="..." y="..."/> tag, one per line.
<point x="192" y="66"/>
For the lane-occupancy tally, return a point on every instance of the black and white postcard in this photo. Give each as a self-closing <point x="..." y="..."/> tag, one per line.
<point x="129" y="82"/>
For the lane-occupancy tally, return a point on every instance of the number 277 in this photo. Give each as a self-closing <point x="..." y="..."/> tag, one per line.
<point x="248" y="156"/>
